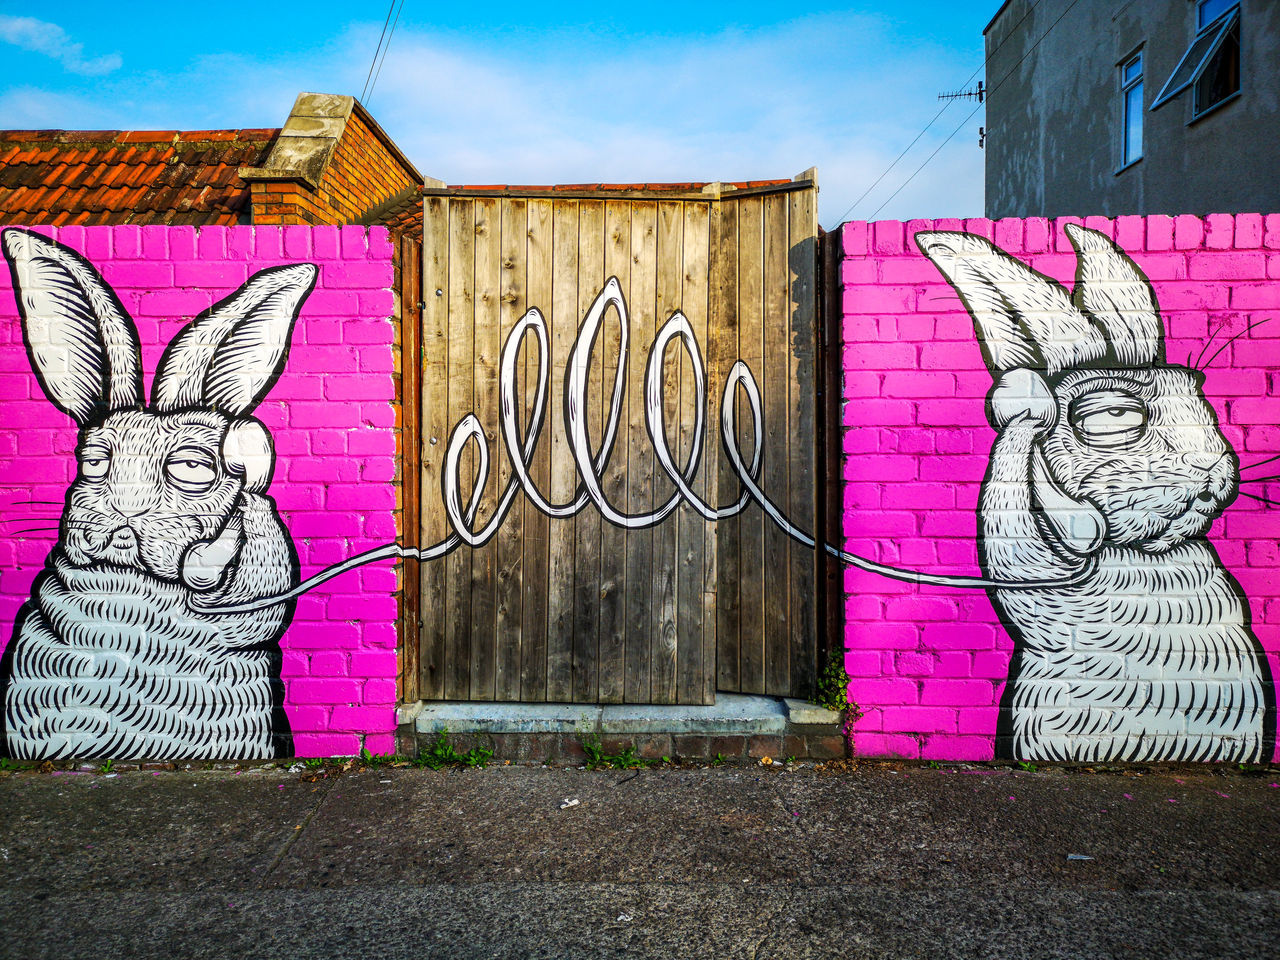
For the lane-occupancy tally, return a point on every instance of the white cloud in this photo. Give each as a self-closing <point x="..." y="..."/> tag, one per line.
<point x="843" y="92"/>
<point x="838" y="92"/>
<point x="39" y="36"/>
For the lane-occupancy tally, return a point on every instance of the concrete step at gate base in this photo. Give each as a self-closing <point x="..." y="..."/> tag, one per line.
<point x="736" y="726"/>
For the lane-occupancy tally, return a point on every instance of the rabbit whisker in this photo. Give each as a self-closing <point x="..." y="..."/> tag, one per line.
<point x="1250" y="466"/>
<point x="1213" y="335"/>
<point x="27" y="503"/>
<point x="1218" y="352"/>
<point x="1268" y="502"/>
<point x="42" y="531"/>
<point x="1268" y="479"/>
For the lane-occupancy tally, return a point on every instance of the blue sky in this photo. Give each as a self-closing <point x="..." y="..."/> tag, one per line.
<point x="543" y="92"/>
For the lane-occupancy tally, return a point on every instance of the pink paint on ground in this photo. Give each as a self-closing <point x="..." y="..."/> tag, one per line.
<point x="330" y="417"/>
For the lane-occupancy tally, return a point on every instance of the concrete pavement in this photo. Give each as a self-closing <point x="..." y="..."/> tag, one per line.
<point x="887" y="860"/>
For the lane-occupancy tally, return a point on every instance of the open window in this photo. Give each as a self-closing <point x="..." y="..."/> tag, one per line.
<point x="1211" y="64"/>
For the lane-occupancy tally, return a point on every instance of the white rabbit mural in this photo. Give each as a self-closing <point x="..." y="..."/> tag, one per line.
<point x="154" y="629"/>
<point x="1108" y="468"/>
<point x="111" y="657"/>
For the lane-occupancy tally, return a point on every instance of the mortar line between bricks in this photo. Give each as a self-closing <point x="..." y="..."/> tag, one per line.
<point x="298" y="832"/>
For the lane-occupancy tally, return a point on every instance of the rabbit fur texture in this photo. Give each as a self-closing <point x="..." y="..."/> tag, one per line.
<point x="108" y="658"/>
<point x="1106" y="453"/>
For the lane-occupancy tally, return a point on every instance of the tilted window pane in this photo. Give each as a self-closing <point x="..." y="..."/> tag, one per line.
<point x="1221" y="76"/>
<point x="1194" y="60"/>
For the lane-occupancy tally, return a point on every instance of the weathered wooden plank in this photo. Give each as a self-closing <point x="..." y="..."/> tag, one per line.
<point x="586" y="525"/>
<point x="692" y="655"/>
<point x="670" y="291"/>
<point x="613" y="557"/>
<point x="752" y="582"/>
<point x="435" y="408"/>
<point x="484" y="560"/>
<point x="777" y="355"/>
<point x="510" y="636"/>
<point x="641" y="300"/>
<point x="535" y="586"/>
<point x="457" y="684"/>
<point x="722" y="348"/>
<point x="708" y="479"/>
<point x="409" y="261"/>
<point x="802" y="409"/>
<point x="564" y="322"/>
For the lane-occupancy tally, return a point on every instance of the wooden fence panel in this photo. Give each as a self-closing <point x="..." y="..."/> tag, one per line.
<point x="641" y="480"/>
<point x="579" y="609"/>
<point x="509" y="638"/>
<point x="613" y="539"/>
<point x="537" y="526"/>
<point x="434" y="389"/>
<point x="409" y="297"/>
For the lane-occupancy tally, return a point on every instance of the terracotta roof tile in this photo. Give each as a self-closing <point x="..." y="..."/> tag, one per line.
<point x="140" y="176"/>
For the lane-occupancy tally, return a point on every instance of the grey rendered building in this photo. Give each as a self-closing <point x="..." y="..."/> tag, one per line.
<point x="1147" y="106"/>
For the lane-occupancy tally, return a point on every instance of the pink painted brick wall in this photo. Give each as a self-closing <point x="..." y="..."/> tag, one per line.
<point x="331" y="419"/>
<point x="929" y="663"/>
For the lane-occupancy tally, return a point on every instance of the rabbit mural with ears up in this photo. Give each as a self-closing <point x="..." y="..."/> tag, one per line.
<point x="111" y="656"/>
<point x="1108" y="461"/>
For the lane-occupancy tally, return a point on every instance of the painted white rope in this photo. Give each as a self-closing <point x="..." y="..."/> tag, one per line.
<point x="591" y="465"/>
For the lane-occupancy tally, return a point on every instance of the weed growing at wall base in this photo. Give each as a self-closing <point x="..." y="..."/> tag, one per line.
<point x="442" y="753"/>
<point x="625" y="759"/>
<point x="833" y="686"/>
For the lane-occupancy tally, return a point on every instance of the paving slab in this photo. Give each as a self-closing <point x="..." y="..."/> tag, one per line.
<point x="694" y="921"/>
<point x="990" y="827"/>
<point x="508" y="824"/>
<point x="742" y="862"/>
<point x="139" y="830"/>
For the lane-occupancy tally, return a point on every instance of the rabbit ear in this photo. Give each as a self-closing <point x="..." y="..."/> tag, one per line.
<point x="1114" y="292"/>
<point x="229" y="356"/>
<point x="1023" y="318"/>
<point x="83" y="346"/>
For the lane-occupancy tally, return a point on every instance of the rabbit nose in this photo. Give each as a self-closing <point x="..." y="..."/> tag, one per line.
<point x="1205" y="461"/>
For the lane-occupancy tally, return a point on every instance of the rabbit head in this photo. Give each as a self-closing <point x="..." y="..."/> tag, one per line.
<point x="1128" y="451"/>
<point x="158" y="486"/>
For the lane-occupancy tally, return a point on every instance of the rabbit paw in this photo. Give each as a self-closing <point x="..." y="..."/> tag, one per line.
<point x="205" y="563"/>
<point x="1022" y="393"/>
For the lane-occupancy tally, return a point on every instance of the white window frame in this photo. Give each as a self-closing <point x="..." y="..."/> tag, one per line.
<point x="1180" y="80"/>
<point x="1127" y="116"/>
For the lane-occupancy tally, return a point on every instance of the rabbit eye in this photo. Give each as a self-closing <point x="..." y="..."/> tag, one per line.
<point x="94" y="464"/>
<point x="1109" y="419"/>
<point x="190" y="469"/>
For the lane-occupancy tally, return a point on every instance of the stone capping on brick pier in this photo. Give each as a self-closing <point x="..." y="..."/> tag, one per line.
<point x="736" y="726"/>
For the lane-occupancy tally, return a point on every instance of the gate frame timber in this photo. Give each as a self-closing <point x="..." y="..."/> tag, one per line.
<point x="797" y="274"/>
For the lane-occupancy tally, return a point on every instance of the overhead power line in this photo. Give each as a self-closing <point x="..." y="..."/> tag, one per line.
<point x="377" y="50"/>
<point x="990" y="91"/>
<point x="387" y="47"/>
<point x="896" y="160"/>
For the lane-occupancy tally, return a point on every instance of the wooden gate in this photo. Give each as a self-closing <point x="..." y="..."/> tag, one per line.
<point x="579" y="609"/>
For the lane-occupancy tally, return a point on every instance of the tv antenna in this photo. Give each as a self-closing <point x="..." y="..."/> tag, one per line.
<point x="980" y="94"/>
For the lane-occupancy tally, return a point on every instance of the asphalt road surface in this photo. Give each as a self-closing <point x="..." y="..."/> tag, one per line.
<point x="750" y="862"/>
